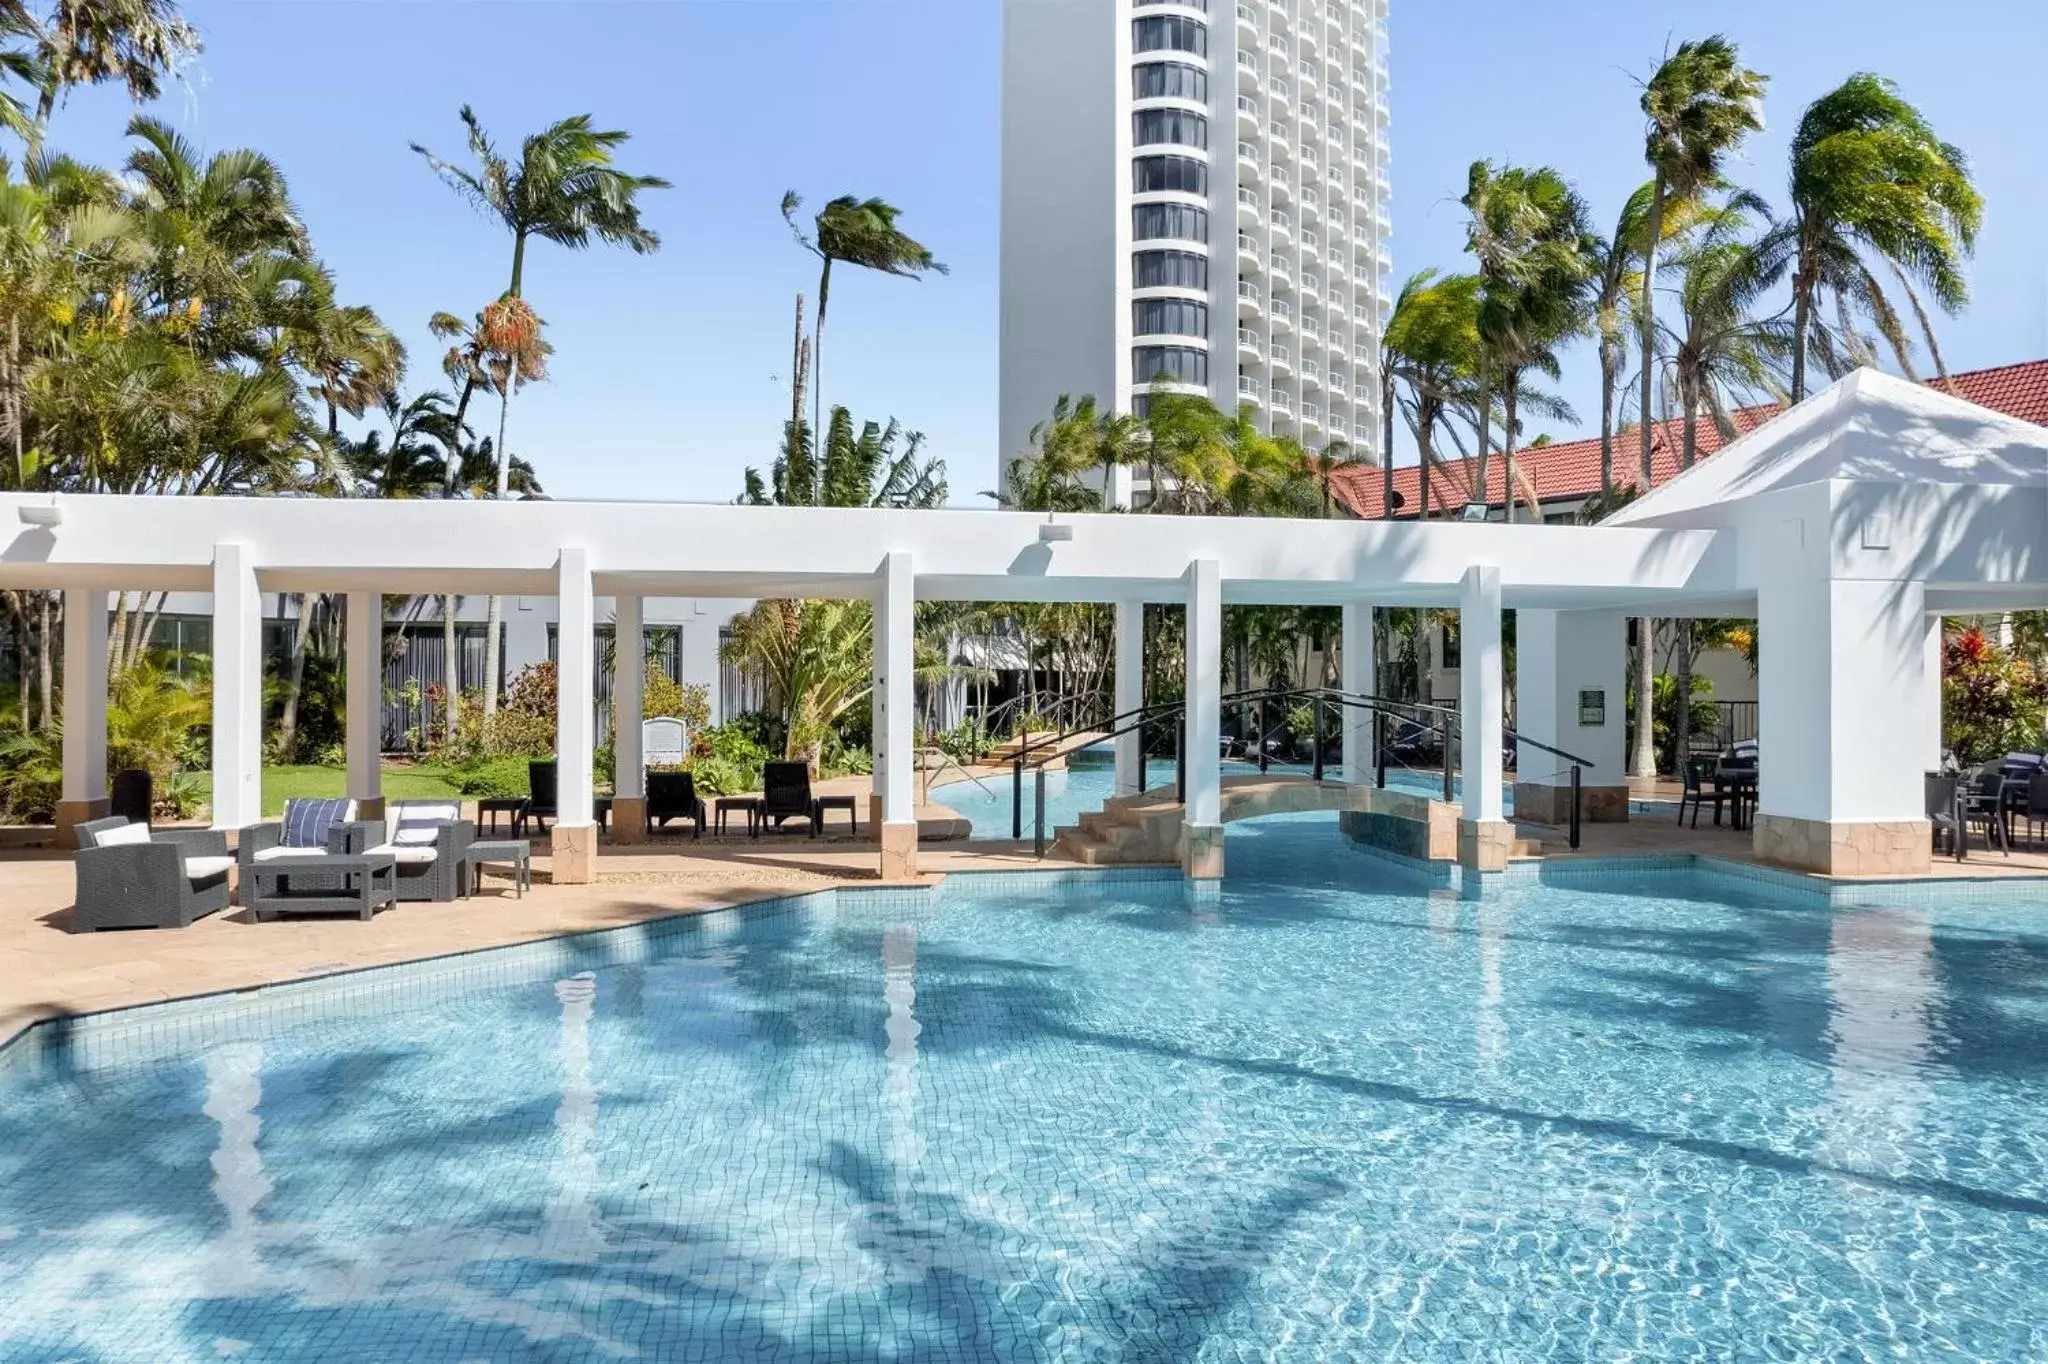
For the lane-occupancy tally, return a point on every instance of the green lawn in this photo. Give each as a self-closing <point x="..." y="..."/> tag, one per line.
<point x="401" y="782"/>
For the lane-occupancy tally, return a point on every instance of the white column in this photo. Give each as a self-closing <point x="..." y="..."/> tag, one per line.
<point x="237" y="689"/>
<point x="1571" y="671"/>
<point x="1204" y="695"/>
<point x="574" y="702"/>
<point x="1842" y="724"/>
<point x="629" y="683"/>
<point x="896" y="689"/>
<point x="1930" y="696"/>
<point x="85" y="696"/>
<point x="1130" y="690"/>
<point x="1358" y="680"/>
<point x="1479" y="698"/>
<point x="365" y="663"/>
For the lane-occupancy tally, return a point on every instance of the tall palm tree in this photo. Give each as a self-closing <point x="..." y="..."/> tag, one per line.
<point x="90" y="42"/>
<point x="1872" y="183"/>
<point x="860" y="232"/>
<point x="1536" y="246"/>
<point x="1698" y="106"/>
<point x="1617" y="284"/>
<point x="863" y="468"/>
<point x="1721" y="352"/>
<point x="563" y="189"/>
<point x="1432" y="340"/>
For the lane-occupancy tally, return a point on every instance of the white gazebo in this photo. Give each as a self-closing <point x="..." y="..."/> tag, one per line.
<point x="1846" y="526"/>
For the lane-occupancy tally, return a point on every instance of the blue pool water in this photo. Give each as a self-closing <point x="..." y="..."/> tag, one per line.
<point x="1330" y="1114"/>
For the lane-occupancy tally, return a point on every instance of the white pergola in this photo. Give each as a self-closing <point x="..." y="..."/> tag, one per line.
<point x="1846" y="646"/>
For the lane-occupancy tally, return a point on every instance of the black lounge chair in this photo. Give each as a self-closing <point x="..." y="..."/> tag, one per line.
<point x="786" y="794"/>
<point x="540" y="800"/>
<point x="673" y="795"/>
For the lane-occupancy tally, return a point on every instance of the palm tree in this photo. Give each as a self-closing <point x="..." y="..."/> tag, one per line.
<point x="860" y="232"/>
<point x="1872" y="183"/>
<point x="1432" y="340"/>
<point x="859" y="469"/>
<point x="1536" y="248"/>
<point x="1699" y="104"/>
<point x="89" y="42"/>
<point x="564" y="189"/>
<point x="1720" y="350"/>
<point x="1617" y="283"/>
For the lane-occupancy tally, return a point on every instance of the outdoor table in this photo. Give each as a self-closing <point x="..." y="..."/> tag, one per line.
<point x="513" y="807"/>
<point x="1739" y="782"/>
<point x="750" y="806"/>
<point x="359" y="885"/>
<point x="850" y="804"/>
<point x="511" y="855"/>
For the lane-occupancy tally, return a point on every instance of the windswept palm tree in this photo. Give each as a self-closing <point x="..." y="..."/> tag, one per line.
<point x="861" y="232"/>
<point x="1432" y="345"/>
<point x="1698" y="106"/>
<point x="90" y="42"/>
<point x="1872" y="185"/>
<point x="1617" y="284"/>
<point x="864" y="468"/>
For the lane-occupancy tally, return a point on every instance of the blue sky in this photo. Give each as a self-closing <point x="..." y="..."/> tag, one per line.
<point x="664" y="383"/>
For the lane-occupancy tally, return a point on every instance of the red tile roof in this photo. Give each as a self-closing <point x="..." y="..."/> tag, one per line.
<point x="1571" y="469"/>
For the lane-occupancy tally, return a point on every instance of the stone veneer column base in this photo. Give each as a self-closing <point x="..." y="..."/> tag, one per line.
<point x="72" y="813"/>
<point x="1483" y="844"/>
<point x="573" y="853"/>
<point x="369" y="807"/>
<point x="1546" y="804"/>
<point x="1201" y="851"/>
<point x="629" y="819"/>
<point x="899" y="851"/>
<point x="875" y="812"/>
<point x="1876" y="847"/>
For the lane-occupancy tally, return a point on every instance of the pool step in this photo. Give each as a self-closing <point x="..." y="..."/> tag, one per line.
<point x="1128" y="830"/>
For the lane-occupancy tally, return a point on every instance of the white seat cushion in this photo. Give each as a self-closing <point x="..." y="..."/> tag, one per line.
<point x="200" y="868"/>
<point x="127" y="833"/>
<point x="407" y="855"/>
<point x="273" y="854"/>
<point x="419" y="821"/>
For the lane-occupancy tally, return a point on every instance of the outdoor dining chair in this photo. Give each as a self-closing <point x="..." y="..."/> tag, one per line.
<point x="1945" y="812"/>
<point x="1698" y="775"/>
<point x="1983" y="804"/>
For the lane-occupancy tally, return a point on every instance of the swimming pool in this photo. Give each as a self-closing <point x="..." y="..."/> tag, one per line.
<point x="1329" y="1113"/>
<point x="1090" y="780"/>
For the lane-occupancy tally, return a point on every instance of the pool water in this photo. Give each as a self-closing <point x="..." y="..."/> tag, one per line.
<point x="1332" y="1113"/>
<point x="1087" y="783"/>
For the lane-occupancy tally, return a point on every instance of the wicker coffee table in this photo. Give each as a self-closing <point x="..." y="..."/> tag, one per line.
<point x="359" y="885"/>
<point x="511" y="856"/>
<point x="750" y="806"/>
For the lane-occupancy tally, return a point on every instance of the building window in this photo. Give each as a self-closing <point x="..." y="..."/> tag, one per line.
<point x="1169" y="317"/>
<point x="1154" y="174"/>
<point x="1182" y="128"/>
<point x="1176" y="222"/>
<point x="1170" y="33"/>
<point x="1202" y="5"/>
<point x="1169" y="270"/>
<point x="1170" y="80"/>
<point x="1182" y="364"/>
<point x="1449" y="652"/>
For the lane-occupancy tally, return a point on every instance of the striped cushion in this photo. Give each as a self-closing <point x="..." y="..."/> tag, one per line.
<point x="306" y="822"/>
<point x="419" y="821"/>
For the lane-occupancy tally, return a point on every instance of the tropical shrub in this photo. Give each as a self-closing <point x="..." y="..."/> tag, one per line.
<point x="1991" y="701"/>
<point x="726" y="759"/>
<point x="496" y="778"/>
<point x="665" y="696"/>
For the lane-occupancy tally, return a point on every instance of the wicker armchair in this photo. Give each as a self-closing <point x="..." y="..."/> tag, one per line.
<point x="163" y="879"/>
<point x="431" y="870"/>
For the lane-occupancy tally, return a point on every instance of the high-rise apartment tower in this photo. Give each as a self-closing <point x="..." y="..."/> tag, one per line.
<point x="1196" y="190"/>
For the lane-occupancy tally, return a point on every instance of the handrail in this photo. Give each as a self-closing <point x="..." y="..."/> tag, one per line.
<point x="1448" y="727"/>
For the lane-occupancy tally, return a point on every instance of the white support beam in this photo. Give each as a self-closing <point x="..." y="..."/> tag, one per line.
<point x="1130" y="690"/>
<point x="1930" y="695"/>
<point x="237" y="689"/>
<point x="629" y="683"/>
<point x="1359" y="679"/>
<point x="896" y="714"/>
<point x="85" y="695"/>
<point x="365" y="730"/>
<point x="1479" y="693"/>
<point x="1202" y="817"/>
<point x="575" y="833"/>
<point x="1571" y="672"/>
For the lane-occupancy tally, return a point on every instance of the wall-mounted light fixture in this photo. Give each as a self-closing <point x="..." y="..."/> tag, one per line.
<point x="46" y="515"/>
<point x="1052" y="532"/>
